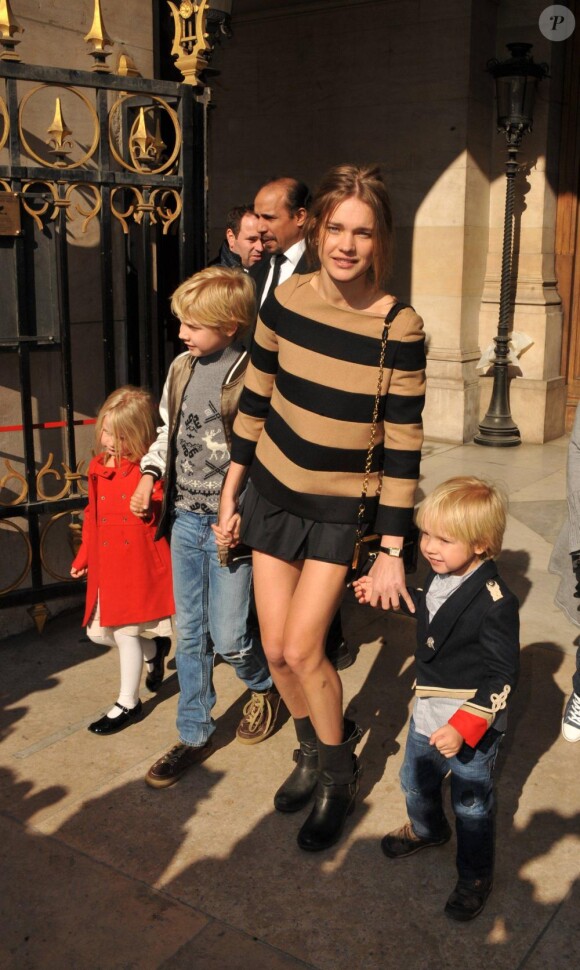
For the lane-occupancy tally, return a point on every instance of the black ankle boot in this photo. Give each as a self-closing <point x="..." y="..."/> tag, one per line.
<point x="299" y="787"/>
<point x="335" y="792"/>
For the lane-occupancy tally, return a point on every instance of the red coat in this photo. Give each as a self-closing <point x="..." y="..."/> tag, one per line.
<point x="126" y="567"/>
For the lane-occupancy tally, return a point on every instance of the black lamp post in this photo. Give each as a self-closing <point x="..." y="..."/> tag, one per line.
<point x="516" y="79"/>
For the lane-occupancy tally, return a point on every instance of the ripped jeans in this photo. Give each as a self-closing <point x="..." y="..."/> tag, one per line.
<point x="212" y="604"/>
<point x="422" y="774"/>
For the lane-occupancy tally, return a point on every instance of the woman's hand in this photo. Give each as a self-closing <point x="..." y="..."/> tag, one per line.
<point x="140" y="501"/>
<point x="227" y="528"/>
<point x="388" y="583"/>
<point x="447" y="740"/>
<point x="79" y="573"/>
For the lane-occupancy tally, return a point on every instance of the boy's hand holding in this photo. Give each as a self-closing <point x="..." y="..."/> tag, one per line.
<point x="447" y="740"/>
<point x="140" y="502"/>
<point x="227" y="528"/>
<point x="363" y="589"/>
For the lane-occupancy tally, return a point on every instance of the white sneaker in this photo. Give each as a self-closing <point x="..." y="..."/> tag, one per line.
<point x="571" y="719"/>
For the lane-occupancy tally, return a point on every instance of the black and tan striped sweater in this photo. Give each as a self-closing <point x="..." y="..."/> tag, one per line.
<point x="305" y="412"/>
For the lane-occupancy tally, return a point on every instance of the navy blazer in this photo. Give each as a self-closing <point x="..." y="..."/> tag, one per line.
<point x="470" y="650"/>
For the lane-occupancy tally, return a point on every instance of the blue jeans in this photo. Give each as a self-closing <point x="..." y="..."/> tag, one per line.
<point x="212" y="604"/>
<point x="422" y="774"/>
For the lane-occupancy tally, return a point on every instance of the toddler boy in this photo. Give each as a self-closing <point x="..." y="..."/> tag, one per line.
<point x="467" y="661"/>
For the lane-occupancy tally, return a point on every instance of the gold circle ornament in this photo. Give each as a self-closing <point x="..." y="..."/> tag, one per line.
<point x="28" y="148"/>
<point x="5" y="124"/>
<point x="186" y="9"/>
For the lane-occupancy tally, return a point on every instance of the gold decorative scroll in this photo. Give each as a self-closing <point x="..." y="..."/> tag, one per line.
<point x="13" y="474"/>
<point x="84" y="186"/>
<point x="8" y="523"/>
<point x="42" y="210"/>
<point x="132" y="209"/>
<point x="5" y="124"/>
<point x="166" y="215"/>
<point x="69" y="477"/>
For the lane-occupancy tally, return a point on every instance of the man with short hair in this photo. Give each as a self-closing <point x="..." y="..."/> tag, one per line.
<point x="243" y="245"/>
<point x="281" y="207"/>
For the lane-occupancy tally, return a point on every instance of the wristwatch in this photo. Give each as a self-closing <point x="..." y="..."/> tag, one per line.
<point x="392" y="551"/>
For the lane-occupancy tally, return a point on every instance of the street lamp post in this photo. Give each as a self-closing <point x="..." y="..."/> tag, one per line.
<point x="516" y="79"/>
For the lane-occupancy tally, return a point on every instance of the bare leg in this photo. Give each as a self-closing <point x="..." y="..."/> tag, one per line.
<point x="295" y="604"/>
<point x="314" y="603"/>
<point x="274" y="584"/>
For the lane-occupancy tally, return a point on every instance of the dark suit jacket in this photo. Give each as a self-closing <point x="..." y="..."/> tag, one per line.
<point x="259" y="274"/>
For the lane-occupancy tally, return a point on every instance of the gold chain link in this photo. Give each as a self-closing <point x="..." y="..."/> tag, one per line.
<point x="371" y="445"/>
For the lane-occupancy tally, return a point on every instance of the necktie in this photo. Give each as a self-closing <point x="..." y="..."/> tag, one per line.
<point x="278" y="260"/>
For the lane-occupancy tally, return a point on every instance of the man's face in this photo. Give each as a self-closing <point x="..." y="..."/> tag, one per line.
<point x="247" y="244"/>
<point x="278" y="227"/>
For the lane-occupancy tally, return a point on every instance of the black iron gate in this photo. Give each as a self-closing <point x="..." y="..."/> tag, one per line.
<point x="101" y="215"/>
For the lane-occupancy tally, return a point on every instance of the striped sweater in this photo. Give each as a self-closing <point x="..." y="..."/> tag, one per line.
<point x="306" y="409"/>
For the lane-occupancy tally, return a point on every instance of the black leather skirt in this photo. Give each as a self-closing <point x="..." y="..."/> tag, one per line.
<point x="270" y="529"/>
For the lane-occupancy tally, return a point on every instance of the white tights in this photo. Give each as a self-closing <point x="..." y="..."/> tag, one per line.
<point x="132" y="651"/>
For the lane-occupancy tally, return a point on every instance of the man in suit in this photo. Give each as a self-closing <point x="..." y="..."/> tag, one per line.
<point x="281" y="207"/>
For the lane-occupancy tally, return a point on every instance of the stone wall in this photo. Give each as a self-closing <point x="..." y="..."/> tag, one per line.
<point x="304" y="86"/>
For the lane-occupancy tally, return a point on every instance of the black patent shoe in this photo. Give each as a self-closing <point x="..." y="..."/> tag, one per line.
<point x="300" y="785"/>
<point x="333" y="804"/>
<point x="468" y="899"/>
<point x="154" y="678"/>
<point x="111" y="725"/>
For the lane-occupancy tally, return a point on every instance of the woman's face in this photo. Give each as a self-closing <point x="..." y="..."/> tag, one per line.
<point x="347" y="245"/>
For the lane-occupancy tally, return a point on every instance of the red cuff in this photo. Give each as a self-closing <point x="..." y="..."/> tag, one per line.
<point x="470" y="726"/>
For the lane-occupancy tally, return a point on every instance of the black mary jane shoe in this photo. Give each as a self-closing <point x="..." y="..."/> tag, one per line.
<point x="111" y="725"/>
<point x="154" y="678"/>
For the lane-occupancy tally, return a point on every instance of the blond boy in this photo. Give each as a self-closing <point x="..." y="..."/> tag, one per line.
<point x="215" y="308"/>
<point x="467" y="662"/>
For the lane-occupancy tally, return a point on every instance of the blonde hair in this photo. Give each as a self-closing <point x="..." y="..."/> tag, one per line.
<point x="132" y="417"/>
<point x="218" y="297"/>
<point x="347" y="182"/>
<point x="468" y="509"/>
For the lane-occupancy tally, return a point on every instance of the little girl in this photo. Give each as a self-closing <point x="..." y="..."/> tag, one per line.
<point x="129" y="587"/>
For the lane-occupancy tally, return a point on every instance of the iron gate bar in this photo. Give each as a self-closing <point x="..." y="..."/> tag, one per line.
<point x="188" y="182"/>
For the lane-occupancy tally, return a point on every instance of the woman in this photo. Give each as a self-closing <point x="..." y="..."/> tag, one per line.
<point x="302" y="432"/>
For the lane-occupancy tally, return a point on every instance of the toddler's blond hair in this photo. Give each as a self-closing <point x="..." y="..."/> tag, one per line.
<point x="468" y="509"/>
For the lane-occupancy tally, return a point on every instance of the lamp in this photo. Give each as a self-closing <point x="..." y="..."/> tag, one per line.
<point x="198" y="27"/>
<point x="516" y="79"/>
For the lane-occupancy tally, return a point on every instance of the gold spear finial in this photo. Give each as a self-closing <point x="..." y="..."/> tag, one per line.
<point x="126" y="66"/>
<point x="98" y="37"/>
<point x="8" y="27"/>
<point x="59" y="135"/>
<point x="141" y="137"/>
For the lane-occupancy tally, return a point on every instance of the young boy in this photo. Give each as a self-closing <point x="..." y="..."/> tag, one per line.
<point x="467" y="661"/>
<point x="200" y="399"/>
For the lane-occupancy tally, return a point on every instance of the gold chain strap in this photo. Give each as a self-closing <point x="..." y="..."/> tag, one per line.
<point x="371" y="445"/>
